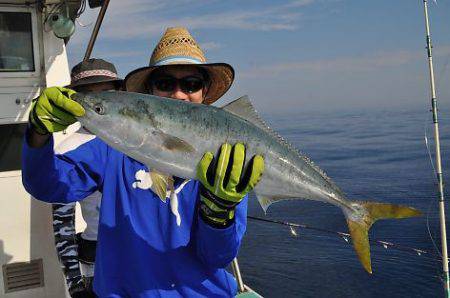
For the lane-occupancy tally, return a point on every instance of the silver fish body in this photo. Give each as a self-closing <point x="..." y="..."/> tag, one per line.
<point x="172" y="136"/>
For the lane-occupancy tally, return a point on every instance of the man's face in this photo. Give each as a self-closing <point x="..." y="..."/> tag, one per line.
<point x="97" y="87"/>
<point x="178" y="82"/>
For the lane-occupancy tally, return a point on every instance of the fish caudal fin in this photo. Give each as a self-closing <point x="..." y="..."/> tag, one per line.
<point x="359" y="225"/>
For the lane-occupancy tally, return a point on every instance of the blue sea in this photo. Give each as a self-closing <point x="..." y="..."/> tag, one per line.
<point x="372" y="155"/>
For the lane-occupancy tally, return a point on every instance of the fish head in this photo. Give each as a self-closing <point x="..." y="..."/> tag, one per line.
<point x="121" y="119"/>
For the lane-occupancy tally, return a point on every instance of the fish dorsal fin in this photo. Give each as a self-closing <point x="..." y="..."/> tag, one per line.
<point x="243" y="108"/>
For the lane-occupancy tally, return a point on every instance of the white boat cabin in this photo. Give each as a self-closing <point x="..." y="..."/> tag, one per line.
<point x="31" y="58"/>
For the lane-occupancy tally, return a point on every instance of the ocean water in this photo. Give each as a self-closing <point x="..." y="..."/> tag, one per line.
<point x="372" y="155"/>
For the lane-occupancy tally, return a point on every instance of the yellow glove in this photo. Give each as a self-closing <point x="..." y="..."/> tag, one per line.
<point x="223" y="187"/>
<point x="53" y="110"/>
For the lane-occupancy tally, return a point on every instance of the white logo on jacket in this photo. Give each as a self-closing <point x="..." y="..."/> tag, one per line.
<point x="144" y="181"/>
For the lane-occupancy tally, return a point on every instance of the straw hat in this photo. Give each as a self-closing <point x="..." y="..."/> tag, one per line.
<point x="178" y="47"/>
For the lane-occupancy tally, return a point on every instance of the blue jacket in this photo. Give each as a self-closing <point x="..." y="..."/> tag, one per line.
<point x="146" y="247"/>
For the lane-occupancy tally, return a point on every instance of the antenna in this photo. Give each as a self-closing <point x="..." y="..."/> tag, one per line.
<point x="438" y="155"/>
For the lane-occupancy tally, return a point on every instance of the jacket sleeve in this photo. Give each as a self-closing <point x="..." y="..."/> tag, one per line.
<point x="63" y="178"/>
<point x="218" y="247"/>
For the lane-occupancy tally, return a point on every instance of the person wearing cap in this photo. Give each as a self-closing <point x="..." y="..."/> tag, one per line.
<point x="79" y="249"/>
<point x="149" y="247"/>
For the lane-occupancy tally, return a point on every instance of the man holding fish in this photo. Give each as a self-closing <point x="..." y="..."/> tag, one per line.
<point x="158" y="235"/>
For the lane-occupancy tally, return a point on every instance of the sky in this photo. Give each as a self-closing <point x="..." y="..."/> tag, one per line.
<point x="291" y="56"/>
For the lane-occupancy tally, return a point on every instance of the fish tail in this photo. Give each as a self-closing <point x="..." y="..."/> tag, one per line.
<point x="359" y="225"/>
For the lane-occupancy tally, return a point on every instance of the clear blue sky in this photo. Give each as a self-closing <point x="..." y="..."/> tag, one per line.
<point x="291" y="55"/>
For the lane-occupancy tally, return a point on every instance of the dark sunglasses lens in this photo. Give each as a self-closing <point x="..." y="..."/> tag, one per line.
<point x="165" y="84"/>
<point x="191" y="84"/>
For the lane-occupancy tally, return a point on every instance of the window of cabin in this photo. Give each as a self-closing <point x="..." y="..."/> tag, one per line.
<point x="16" y="46"/>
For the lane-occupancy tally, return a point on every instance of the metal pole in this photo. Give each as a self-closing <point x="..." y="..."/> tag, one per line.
<point x="94" y="34"/>
<point x="438" y="157"/>
<point x="237" y="275"/>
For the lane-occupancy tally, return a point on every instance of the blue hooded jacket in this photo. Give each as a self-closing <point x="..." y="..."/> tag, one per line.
<point x="147" y="247"/>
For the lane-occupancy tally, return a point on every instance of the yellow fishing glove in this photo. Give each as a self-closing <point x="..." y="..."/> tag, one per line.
<point x="223" y="183"/>
<point x="53" y="110"/>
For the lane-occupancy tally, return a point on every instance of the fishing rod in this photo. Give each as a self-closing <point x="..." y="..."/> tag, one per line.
<point x="346" y="237"/>
<point x="438" y="155"/>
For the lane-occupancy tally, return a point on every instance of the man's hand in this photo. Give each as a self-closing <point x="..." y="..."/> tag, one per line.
<point x="53" y="110"/>
<point x="223" y="185"/>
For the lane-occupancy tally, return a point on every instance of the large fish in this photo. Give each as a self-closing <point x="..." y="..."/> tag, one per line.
<point x="171" y="136"/>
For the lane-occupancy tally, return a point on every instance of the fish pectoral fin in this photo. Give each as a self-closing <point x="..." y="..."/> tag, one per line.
<point x="161" y="183"/>
<point x="359" y="226"/>
<point x="173" y="143"/>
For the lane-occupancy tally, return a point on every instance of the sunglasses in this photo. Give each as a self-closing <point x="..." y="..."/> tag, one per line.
<point x="189" y="84"/>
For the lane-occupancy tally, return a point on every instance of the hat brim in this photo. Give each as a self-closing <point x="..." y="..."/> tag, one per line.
<point x="221" y="77"/>
<point x="94" y="80"/>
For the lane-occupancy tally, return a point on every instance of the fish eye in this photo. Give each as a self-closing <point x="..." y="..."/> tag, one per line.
<point x="99" y="109"/>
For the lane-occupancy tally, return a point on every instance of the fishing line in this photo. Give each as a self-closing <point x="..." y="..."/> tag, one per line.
<point x="435" y="177"/>
<point x="437" y="261"/>
<point x="346" y="237"/>
<point x="428" y="147"/>
<point x="436" y="248"/>
<point x="429" y="231"/>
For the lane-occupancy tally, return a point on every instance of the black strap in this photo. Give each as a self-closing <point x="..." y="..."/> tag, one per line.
<point x="204" y="208"/>
<point x="206" y="213"/>
<point x="224" y="204"/>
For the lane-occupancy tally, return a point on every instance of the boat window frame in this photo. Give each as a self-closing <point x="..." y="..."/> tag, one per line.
<point x="35" y="40"/>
